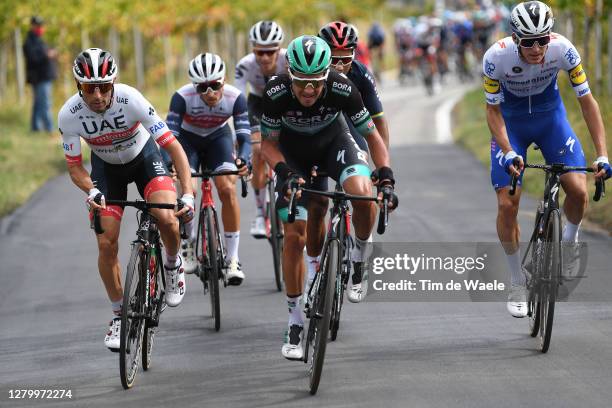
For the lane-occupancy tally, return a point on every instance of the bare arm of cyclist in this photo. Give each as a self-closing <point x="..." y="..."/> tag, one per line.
<point x="383" y="128"/>
<point x="592" y="117"/>
<point x="497" y="126"/>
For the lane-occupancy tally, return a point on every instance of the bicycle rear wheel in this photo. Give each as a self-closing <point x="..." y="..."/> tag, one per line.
<point x="156" y="296"/>
<point x="321" y="313"/>
<point x="276" y="238"/>
<point x="551" y="273"/>
<point x="212" y="264"/>
<point x="132" y="316"/>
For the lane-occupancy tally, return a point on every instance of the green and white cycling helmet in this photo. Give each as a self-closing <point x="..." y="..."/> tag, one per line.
<point x="308" y="55"/>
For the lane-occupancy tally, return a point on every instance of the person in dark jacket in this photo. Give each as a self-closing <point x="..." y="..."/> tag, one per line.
<point x="40" y="73"/>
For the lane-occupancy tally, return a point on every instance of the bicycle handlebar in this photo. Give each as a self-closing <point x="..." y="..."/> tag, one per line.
<point x="141" y="205"/>
<point x="557" y="168"/>
<point x="208" y="174"/>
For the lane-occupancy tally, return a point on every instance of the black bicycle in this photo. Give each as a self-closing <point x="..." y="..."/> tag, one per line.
<point x="543" y="259"/>
<point x="325" y="297"/>
<point x="210" y="251"/>
<point x="143" y="291"/>
<point x="274" y="231"/>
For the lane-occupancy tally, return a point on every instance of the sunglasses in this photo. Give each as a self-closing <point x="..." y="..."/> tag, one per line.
<point x="261" y="53"/>
<point x="305" y="82"/>
<point x="531" y="42"/>
<point x="206" y="87"/>
<point x="90" y="88"/>
<point x="344" y="60"/>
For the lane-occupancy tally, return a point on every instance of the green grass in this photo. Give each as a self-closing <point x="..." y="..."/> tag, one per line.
<point x="470" y="130"/>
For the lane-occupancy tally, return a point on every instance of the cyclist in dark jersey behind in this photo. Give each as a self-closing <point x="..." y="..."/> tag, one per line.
<point x="302" y="126"/>
<point x="342" y="39"/>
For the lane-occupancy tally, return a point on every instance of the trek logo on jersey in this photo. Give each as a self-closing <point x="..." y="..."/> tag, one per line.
<point x="491" y="85"/>
<point x="118" y="122"/>
<point x="577" y="75"/>
<point x="359" y="115"/>
<point x="489" y="68"/>
<point x="571" y="56"/>
<point x="341" y="88"/>
<point x="239" y="74"/>
<point x="157" y="127"/>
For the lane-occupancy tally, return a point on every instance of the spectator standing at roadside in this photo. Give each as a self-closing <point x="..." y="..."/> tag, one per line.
<point x="40" y="72"/>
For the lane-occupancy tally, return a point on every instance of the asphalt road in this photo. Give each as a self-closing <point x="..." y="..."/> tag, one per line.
<point x="54" y="311"/>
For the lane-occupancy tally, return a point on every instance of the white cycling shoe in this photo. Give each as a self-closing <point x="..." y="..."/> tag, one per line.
<point x="258" y="227"/>
<point x="235" y="276"/>
<point x="175" y="285"/>
<point x="292" y="349"/>
<point x="188" y="254"/>
<point x="113" y="337"/>
<point x="359" y="288"/>
<point x="517" y="301"/>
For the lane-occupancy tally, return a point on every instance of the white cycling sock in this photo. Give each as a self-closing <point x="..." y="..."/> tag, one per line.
<point x="172" y="261"/>
<point x="260" y="201"/>
<point x="514" y="262"/>
<point x="232" y="239"/>
<point x="117" y="308"/>
<point x="191" y="230"/>
<point x="295" y="311"/>
<point x="312" y="263"/>
<point x="570" y="232"/>
<point x="360" y="252"/>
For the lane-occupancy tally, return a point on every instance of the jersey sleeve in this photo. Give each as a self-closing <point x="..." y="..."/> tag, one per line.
<point x="370" y="96"/>
<point x="71" y="141"/>
<point x="272" y="102"/>
<point x="240" y="76"/>
<point x="242" y="126"/>
<point x="176" y="112"/>
<point x="572" y="63"/>
<point x="353" y="106"/>
<point x="151" y="120"/>
<point x="491" y="84"/>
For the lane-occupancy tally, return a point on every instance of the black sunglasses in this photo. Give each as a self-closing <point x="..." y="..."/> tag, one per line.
<point x="343" y="60"/>
<point x="530" y="42"/>
<point x="261" y="53"/>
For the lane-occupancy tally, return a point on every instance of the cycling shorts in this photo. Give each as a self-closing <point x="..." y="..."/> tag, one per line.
<point x="147" y="170"/>
<point x="551" y="131"/>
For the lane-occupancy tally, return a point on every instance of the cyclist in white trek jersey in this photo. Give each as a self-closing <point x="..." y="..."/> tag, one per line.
<point x="199" y="117"/>
<point x="255" y="69"/>
<point x="121" y="128"/>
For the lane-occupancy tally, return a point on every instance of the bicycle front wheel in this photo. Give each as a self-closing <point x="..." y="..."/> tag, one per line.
<point x="132" y="316"/>
<point x="154" y="309"/>
<point x="321" y="314"/>
<point x="276" y="238"/>
<point x="212" y="264"/>
<point x="550" y="277"/>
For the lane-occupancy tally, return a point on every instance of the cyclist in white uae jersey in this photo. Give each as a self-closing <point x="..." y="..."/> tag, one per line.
<point x="198" y="116"/>
<point x="115" y="120"/>
<point x="523" y="107"/>
<point x="255" y="69"/>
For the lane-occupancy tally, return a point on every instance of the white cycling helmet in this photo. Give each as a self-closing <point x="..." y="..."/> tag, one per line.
<point x="531" y="19"/>
<point x="94" y="65"/>
<point x="206" y="67"/>
<point x="266" y="33"/>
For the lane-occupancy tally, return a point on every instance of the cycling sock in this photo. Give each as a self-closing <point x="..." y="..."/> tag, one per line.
<point x="570" y="232"/>
<point x="295" y="312"/>
<point x="260" y="201"/>
<point x="514" y="262"/>
<point x="172" y="261"/>
<point x="312" y="264"/>
<point x="359" y="253"/>
<point x="232" y="239"/>
<point x="190" y="230"/>
<point x="117" y="308"/>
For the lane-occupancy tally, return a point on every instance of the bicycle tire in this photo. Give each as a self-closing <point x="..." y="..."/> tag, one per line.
<point x="132" y="327"/>
<point x="322" y="314"/>
<point x="213" y="265"/>
<point x="156" y="305"/>
<point x="276" y="238"/>
<point x="551" y="271"/>
<point x="533" y="298"/>
<point x="341" y="280"/>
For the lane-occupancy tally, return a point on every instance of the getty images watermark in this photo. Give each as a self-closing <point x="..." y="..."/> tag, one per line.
<point x="472" y="272"/>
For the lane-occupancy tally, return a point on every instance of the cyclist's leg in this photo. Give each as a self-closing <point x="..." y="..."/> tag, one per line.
<point x="315" y="228"/>
<point x="559" y="144"/>
<point x="258" y="181"/>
